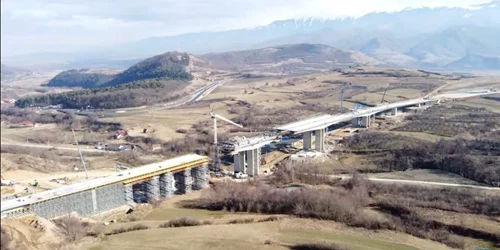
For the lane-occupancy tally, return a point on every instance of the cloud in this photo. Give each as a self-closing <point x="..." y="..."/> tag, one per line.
<point x="35" y="25"/>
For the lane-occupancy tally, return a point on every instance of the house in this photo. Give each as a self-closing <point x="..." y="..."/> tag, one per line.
<point x="8" y="100"/>
<point x="28" y="123"/>
<point x="156" y="147"/>
<point x="120" y="134"/>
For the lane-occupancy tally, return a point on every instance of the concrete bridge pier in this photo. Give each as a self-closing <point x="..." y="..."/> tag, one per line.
<point x="320" y="140"/>
<point x="240" y="162"/>
<point x="256" y="162"/>
<point x="183" y="181"/>
<point x="250" y="154"/>
<point x="201" y="175"/>
<point x="307" y="140"/>
<point x="152" y="188"/>
<point x="253" y="161"/>
<point x="167" y="185"/>
<point x="366" y="121"/>
<point x="355" y="122"/>
<point x="394" y="111"/>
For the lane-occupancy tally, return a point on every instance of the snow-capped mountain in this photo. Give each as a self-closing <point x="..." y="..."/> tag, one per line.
<point x="434" y="36"/>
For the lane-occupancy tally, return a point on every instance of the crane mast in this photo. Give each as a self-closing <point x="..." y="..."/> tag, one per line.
<point x="216" y="160"/>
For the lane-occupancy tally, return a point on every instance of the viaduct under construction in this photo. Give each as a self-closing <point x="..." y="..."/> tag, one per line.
<point x="179" y="175"/>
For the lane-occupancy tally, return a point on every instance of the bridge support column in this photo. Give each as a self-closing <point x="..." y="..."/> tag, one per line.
<point x="167" y="185"/>
<point x="256" y="167"/>
<point x="355" y="122"/>
<point x="365" y="121"/>
<point x="152" y="187"/>
<point x="307" y="141"/>
<point x="239" y="162"/>
<point x="183" y="181"/>
<point x="320" y="140"/>
<point x="250" y="154"/>
<point x="253" y="162"/>
<point x="394" y="111"/>
<point x="201" y="175"/>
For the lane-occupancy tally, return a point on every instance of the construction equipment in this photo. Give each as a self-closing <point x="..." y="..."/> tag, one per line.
<point x="216" y="160"/>
<point x="347" y="86"/>
<point x="8" y="182"/>
<point x="384" y="95"/>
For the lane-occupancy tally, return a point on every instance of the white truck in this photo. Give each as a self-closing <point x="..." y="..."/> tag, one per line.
<point x="8" y="182"/>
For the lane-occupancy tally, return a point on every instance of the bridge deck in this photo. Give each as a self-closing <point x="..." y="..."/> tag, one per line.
<point x="324" y="121"/>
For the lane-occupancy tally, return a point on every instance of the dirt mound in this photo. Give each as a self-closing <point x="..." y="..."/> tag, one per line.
<point x="29" y="232"/>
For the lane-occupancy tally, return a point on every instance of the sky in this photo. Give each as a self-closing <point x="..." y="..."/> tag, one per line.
<point x="30" y="26"/>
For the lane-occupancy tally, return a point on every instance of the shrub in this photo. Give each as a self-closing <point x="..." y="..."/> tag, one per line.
<point x="241" y="221"/>
<point x="289" y="172"/>
<point x="118" y="231"/>
<point x="136" y="227"/>
<point x="184" y="222"/>
<point x="457" y="200"/>
<point x="272" y="218"/>
<point x="317" y="246"/>
<point x="315" y="203"/>
<point x="71" y="228"/>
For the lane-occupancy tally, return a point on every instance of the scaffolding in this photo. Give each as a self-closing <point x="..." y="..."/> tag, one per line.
<point x="201" y="176"/>
<point x="183" y="181"/>
<point x="167" y="185"/>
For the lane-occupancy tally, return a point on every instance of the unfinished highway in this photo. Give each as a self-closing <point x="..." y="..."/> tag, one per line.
<point x="179" y="175"/>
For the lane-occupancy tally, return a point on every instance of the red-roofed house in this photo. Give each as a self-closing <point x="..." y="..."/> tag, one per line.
<point x="28" y="123"/>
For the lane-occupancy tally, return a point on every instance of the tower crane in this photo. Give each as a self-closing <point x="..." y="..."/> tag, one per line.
<point x="383" y="97"/>
<point x="215" y="116"/>
<point x="347" y="86"/>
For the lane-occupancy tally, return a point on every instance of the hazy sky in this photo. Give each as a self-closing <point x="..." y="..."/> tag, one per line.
<point x="59" y="25"/>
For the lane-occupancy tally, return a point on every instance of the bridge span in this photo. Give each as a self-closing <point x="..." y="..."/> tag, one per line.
<point x="247" y="153"/>
<point x="178" y="175"/>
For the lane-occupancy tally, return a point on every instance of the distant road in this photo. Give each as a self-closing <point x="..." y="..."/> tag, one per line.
<point x="32" y="145"/>
<point x="422" y="183"/>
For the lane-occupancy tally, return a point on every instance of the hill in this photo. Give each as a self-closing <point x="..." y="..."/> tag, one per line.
<point x="171" y="65"/>
<point x="153" y="80"/>
<point x="84" y="78"/>
<point x="387" y="51"/>
<point x="449" y="45"/>
<point x="475" y="62"/>
<point x="288" y="57"/>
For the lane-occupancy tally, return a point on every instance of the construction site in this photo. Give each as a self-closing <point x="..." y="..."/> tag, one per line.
<point x="137" y="176"/>
<point x="183" y="174"/>
<point x="158" y="181"/>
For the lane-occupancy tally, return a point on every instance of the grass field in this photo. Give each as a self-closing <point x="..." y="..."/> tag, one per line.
<point x="254" y="236"/>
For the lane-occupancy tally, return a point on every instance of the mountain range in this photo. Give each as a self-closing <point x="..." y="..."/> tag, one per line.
<point x="417" y="37"/>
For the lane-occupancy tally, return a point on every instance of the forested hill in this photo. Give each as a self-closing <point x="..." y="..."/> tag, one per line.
<point x="171" y="65"/>
<point x="84" y="78"/>
<point x="154" y="80"/>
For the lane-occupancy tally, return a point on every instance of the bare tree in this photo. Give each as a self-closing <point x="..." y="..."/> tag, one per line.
<point x="71" y="228"/>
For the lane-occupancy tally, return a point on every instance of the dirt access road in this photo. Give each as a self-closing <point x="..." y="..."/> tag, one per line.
<point x="422" y="183"/>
